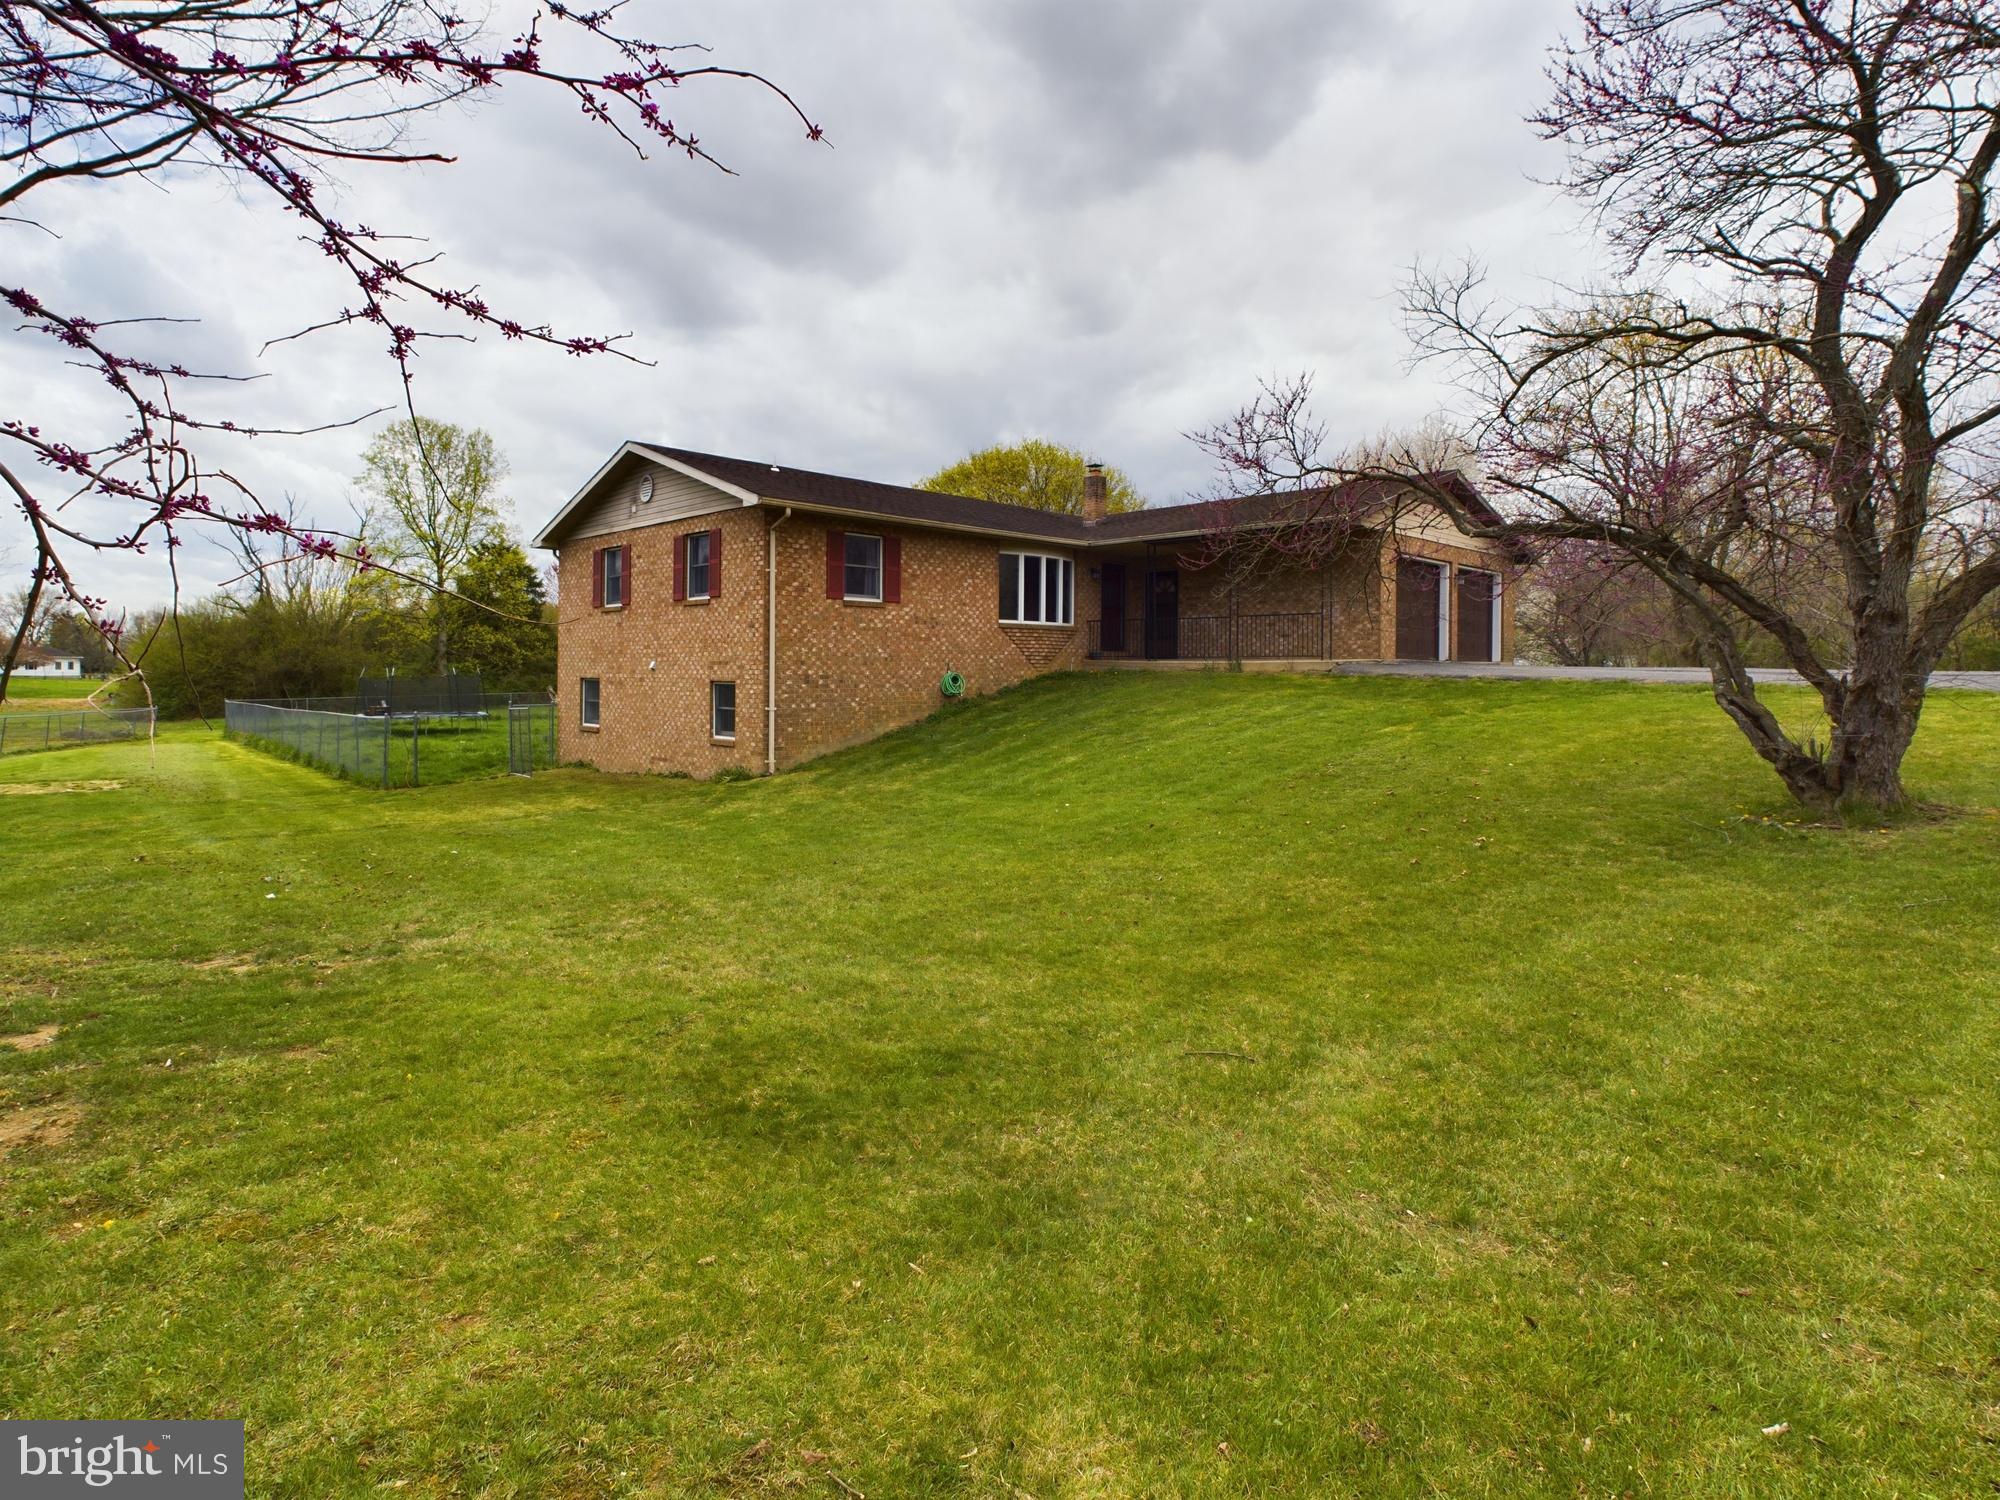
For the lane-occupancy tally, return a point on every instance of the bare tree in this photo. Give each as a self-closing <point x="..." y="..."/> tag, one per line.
<point x="23" y="612"/>
<point x="1579" y="604"/>
<point x="272" y="97"/>
<point x="1828" y="401"/>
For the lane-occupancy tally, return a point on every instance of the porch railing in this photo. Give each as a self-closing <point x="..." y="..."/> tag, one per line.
<point x="1301" y="636"/>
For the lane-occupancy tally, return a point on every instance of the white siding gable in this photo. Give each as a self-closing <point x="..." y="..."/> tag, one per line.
<point x="617" y="506"/>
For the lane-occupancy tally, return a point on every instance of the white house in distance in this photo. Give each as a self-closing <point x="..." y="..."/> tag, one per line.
<point x="34" y="661"/>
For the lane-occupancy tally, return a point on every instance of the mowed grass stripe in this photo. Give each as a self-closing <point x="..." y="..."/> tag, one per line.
<point x="578" y="1134"/>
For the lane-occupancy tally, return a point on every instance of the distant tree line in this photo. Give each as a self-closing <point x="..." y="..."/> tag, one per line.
<point x="439" y="586"/>
<point x="1586" y="605"/>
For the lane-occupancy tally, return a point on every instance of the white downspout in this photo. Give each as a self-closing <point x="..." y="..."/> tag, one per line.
<point x="771" y="643"/>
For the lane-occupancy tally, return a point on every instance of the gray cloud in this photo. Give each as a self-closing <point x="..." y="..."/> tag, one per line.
<point x="1115" y="93"/>
<point x="1100" y="223"/>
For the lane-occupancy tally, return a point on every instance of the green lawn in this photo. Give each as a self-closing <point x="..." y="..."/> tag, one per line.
<point x="32" y="694"/>
<point x="889" y="1127"/>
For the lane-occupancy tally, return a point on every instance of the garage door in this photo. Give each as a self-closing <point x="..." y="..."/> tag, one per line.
<point x="1474" y="611"/>
<point x="1417" y="587"/>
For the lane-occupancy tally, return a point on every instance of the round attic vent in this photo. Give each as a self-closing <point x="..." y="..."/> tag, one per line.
<point x="645" y="489"/>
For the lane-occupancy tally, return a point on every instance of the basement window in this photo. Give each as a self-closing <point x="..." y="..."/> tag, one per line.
<point x="588" y="709"/>
<point x="722" y="710"/>
<point x="1037" y="589"/>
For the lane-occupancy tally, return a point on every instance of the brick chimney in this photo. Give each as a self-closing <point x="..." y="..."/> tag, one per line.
<point x="1093" y="493"/>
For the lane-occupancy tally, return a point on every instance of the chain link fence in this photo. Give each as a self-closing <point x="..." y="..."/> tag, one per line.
<point x="531" y="737"/>
<point x="409" y="740"/>
<point x="21" y="732"/>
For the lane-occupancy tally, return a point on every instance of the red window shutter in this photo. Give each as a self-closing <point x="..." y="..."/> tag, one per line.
<point x="680" y="568"/>
<point x="892" y="570"/>
<point x="597" y="579"/>
<point x="625" y="576"/>
<point x="836" y="565"/>
<point x="715" y="563"/>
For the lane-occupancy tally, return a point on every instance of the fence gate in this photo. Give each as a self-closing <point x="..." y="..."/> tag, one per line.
<point x="521" y="739"/>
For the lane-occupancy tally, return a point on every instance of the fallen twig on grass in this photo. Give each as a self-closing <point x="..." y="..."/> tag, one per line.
<point x="1216" y="1052"/>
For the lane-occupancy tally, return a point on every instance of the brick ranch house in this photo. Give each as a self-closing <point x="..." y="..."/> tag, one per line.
<point x="716" y="612"/>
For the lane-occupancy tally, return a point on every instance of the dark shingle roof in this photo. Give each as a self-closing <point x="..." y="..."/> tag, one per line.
<point x="805" y="487"/>
<point x="898" y="502"/>
<point x="1257" y="510"/>
<point x="1199" y="515"/>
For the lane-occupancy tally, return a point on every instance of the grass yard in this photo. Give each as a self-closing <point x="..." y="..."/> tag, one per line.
<point x="890" y="1127"/>
<point x="37" y="695"/>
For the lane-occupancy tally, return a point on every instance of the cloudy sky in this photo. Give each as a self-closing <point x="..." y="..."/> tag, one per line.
<point x="1097" y="222"/>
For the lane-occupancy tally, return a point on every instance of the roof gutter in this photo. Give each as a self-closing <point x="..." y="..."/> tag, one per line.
<point x="771" y="643"/>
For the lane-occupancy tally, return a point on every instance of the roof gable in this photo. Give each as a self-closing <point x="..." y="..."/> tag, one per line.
<point x="574" y="514"/>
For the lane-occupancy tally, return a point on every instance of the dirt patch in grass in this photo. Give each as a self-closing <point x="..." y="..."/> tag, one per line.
<point x="235" y="963"/>
<point x="38" y="1125"/>
<point x="49" y="788"/>
<point x="31" y="1041"/>
<point x="244" y="1225"/>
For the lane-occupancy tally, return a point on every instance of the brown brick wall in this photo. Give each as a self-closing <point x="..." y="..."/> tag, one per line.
<point x="655" y="658"/>
<point x="848" y="672"/>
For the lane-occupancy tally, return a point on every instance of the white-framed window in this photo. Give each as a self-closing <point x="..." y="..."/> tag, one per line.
<point x="614" y="577"/>
<point x="699" y="574"/>
<point x="722" y="710"/>
<point x="863" y="561"/>
<point x="1037" y="588"/>
<point x="587" y="714"/>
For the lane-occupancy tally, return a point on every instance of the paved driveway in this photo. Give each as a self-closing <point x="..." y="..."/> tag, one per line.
<point x="1977" y="682"/>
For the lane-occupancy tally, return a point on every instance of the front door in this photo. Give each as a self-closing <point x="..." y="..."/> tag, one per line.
<point x="1111" y="616"/>
<point x="1163" y="614"/>
<point x="1419" y="590"/>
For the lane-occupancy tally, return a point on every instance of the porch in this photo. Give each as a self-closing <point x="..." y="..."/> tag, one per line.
<point x="1161" y="605"/>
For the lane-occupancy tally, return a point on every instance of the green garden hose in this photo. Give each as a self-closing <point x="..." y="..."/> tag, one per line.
<point x="951" y="684"/>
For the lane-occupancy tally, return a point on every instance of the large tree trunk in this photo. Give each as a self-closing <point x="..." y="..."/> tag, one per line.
<point x="1878" y="712"/>
<point x="441" y="627"/>
<point x="1878" y="719"/>
<point x="1866" y="767"/>
<point x="1861" y="770"/>
<point x="1874" y="713"/>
